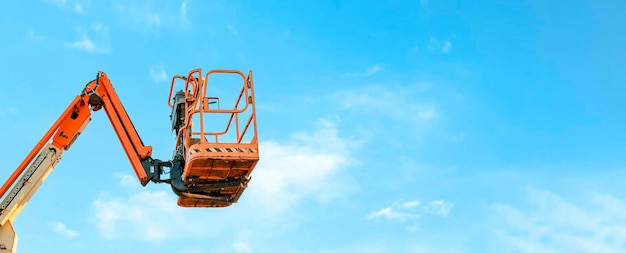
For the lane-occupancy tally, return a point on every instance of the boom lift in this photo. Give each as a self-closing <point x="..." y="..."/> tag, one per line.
<point x="204" y="170"/>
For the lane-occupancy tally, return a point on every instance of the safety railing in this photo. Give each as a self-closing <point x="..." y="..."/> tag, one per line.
<point x="199" y="105"/>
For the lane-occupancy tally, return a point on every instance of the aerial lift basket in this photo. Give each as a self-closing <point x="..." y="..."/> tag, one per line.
<point x="217" y="161"/>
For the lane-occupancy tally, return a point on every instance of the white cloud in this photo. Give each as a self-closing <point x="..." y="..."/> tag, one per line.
<point x="151" y="15"/>
<point x="61" y="228"/>
<point x="184" y="19"/>
<point x="87" y="44"/>
<point x="372" y="70"/>
<point x="158" y="74"/>
<point x="392" y="214"/>
<point x="554" y="224"/>
<point x="32" y="35"/>
<point x="59" y="3"/>
<point x="409" y="210"/>
<point x="128" y="181"/>
<point x="389" y="244"/>
<point x="139" y="216"/>
<point x="427" y="113"/>
<point x="78" y="8"/>
<point x="446" y="47"/>
<point x="411" y="204"/>
<point x="368" y="72"/>
<point x="138" y="15"/>
<point x="8" y="110"/>
<point x="439" y="207"/>
<point x="305" y="167"/>
<point x="183" y="7"/>
<point x="436" y="45"/>
<point x="65" y="5"/>
<point x="241" y="245"/>
<point x="152" y="18"/>
<point x="402" y="103"/>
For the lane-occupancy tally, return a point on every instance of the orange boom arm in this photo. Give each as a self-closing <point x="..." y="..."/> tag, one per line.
<point x="97" y="94"/>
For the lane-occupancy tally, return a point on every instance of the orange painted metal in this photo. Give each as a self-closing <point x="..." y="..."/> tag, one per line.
<point x="215" y="172"/>
<point x="174" y="78"/>
<point x="53" y="130"/>
<point x="125" y="130"/>
<point x="77" y="116"/>
<point x="72" y="125"/>
<point x="208" y="162"/>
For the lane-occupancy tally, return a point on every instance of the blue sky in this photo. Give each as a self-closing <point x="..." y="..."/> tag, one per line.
<point x="385" y="126"/>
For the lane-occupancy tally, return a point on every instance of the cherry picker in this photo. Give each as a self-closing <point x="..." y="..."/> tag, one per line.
<point x="209" y="167"/>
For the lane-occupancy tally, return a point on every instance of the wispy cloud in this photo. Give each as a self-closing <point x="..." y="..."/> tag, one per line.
<point x="318" y="157"/>
<point x="138" y="15"/>
<point x="439" y="207"/>
<point x="411" y="204"/>
<point x="402" y="103"/>
<point x="183" y="8"/>
<point x="149" y="15"/>
<point x="184" y="18"/>
<point x="241" y="244"/>
<point x="241" y="247"/>
<point x="392" y="213"/>
<point x="446" y="47"/>
<point x="158" y="74"/>
<point x="385" y="244"/>
<point x="84" y="44"/>
<point x="412" y="209"/>
<point x="77" y="6"/>
<point x="8" y="110"/>
<point x="32" y="35"/>
<point x="127" y="181"/>
<point x="553" y="224"/>
<point x="368" y="72"/>
<point x="440" y="46"/>
<point x="134" y="217"/>
<point x="373" y="70"/>
<point x="59" y="3"/>
<point x="61" y="228"/>
<point x="89" y="45"/>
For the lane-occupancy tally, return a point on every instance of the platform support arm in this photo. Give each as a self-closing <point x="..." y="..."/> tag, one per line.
<point x="102" y="95"/>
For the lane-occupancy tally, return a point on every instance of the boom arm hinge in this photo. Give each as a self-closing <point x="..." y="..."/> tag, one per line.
<point x="154" y="168"/>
